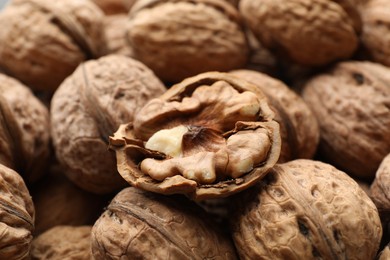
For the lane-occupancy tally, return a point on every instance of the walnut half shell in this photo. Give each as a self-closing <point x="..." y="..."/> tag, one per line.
<point x="209" y="136"/>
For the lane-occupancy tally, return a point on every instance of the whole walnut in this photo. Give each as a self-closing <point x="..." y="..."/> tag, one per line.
<point x="352" y="104"/>
<point x="16" y="216"/>
<point x="306" y="209"/>
<point x="43" y="41"/>
<point x="140" y="225"/>
<point x="181" y="38"/>
<point x="209" y="136"/>
<point x="298" y="127"/>
<point x="63" y="242"/>
<point x="115" y="27"/>
<point x="88" y="107"/>
<point x="111" y="7"/>
<point x="24" y="124"/>
<point x="309" y="32"/>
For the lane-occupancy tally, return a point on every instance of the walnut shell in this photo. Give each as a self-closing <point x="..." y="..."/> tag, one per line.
<point x="298" y="127"/>
<point x="306" y="209"/>
<point x="112" y="7"/>
<point x="88" y="107"/>
<point x="16" y="215"/>
<point x="229" y="139"/>
<point x="385" y="253"/>
<point x="24" y="135"/>
<point x="115" y="27"/>
<point x="352" y="104"/>
<point x="309" y="32"/>
<point x="140" y="225"/>
<point x="54" y="37"/>
<point x="63" y="242"/>
<point x="178" y="39"/>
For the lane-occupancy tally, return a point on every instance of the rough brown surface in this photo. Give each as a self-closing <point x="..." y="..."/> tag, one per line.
<point x="178" y="39"/>
<point x="352" y="104"/>
<point x="112" y="7"/>
<point x="140" y="225"/>
<point x="16" y="216"/>
<point x="115" y="26"/>
<point x="24" y="134"/>
<point x="385" y="253"/>
<point x="43" y="41"/>
<point x="298" y="126"/>
<point x="88" y="107"/>
<point x="63" y="242"/>
<point x="306" y="209"/>
<point x="310" y="32"/>
<point x="230" y="139"/>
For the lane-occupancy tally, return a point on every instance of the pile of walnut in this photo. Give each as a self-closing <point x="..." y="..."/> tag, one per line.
<point x="195" y="129"/>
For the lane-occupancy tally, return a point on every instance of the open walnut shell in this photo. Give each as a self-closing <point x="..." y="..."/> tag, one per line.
<point x="209" y="136"/>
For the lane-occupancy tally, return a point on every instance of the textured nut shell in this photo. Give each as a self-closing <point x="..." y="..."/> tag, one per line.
<point x="115" y="26"/>
<point x="306" y="210"/>
<point x="385" y="253"/>
<point x="380" y="189"/>
<point x="178" y="39"/>
<point x="140" y="225"/>
<point x="63" y="242"/>
<point x="24" y="124"/>
<point x="298" y="126"/>
<point x="70" y="32"/>
<point x="352" y="105"/>
<point x="88" y="107"/>
<point x="111" y="7"/>
<point x="310" y="32"/>
<point x="16" y="214"/>
<point x="376" y="30"/>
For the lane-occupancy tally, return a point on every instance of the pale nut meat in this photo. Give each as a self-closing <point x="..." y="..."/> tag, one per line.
<point x="209" y="136"/>
<point x="24" y="135"/>
<point x="141" y="225"/>
<point x="115" y="28"/>
<point x="43" y="41"/>
<point x="298" y="126"/>
<point x="17" y="216"/>
<point x="305" y="209"/>
<point x="309" y="32"/>
<point x="63" y="242"/>
<point x="88" y="107"/>
<point x="351" y="102"/>
<point x="179" y="39"/>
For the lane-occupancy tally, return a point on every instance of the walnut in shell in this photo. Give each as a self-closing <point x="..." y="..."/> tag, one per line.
<point x="88" y="107"/>
<point x="140" y="225"/>
<point x="115" y="27"/>
<point x="352" y="104"/>
<point x="298" y="126"/>
<point x="24" y="124"/>
<point x="385" y="253"/>
<point x="63" y="242"/>
<point x="209" y="136"/>
<point x="43" y="41"/>
<point x="178" y="39"/>
<point x="112" y="7"/>
<point x="306" y="209"/>
<point x="16" y="216"/>
<point x="309" y="32"/>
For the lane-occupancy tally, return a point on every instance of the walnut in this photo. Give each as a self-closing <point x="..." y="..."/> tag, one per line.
<point x="181" y="38"/>
<point x="140" y="225"/>
<point x="115" y="27"/>
<point x="352" y="104"/>
<point x="24" y="135"/>
<point x="385" y="253"/>
<point x="298" y="126"/>
<point x="209" y="136"/>
<point x="376" y="30"/>
<point x="63" y="242"/>
<point x="309" y="32"/>
<point x="43" y="41"/>
<point x="112" y="7"/>
<point x="17" y="216"/>
<point x="306" y="209"/>
<point x="88" y="107"/>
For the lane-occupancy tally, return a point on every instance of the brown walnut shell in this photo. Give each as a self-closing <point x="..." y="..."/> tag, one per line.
<point x="179" y="39"/>
<point x="115" y="27"/>
<point x="306" y="209"/>
<point x="220" y="136"/>
<point x="54" y="37"/>
<point x="24" y="124"/>
<point x="309" y="32"/>
<point x="112" y="7"/>
<point x="88" y="107"/>
<point x="385" y="253"/>
<point x="16" y="216"/>
<point x="298" y="127"/>
<point x="352" y="104"/>
<point x="63" y="242"/>
<point x="140" y="225"/>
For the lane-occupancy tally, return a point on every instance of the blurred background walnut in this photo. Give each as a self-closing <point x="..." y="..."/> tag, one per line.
<point x="115" y="27"/>
<point x="112" y="7"/>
